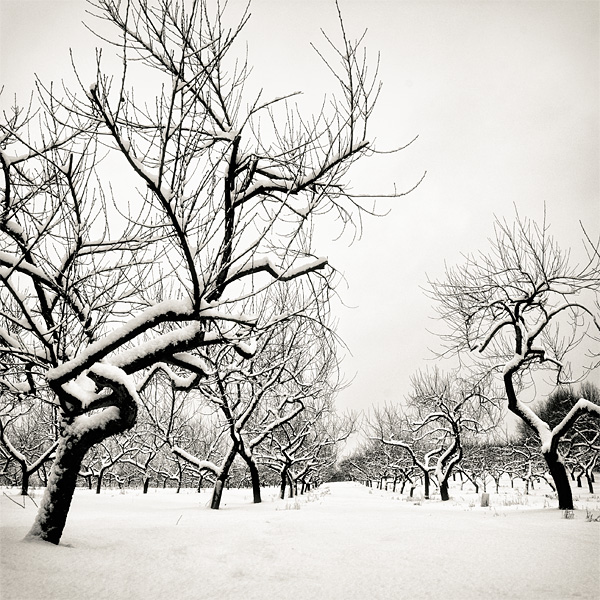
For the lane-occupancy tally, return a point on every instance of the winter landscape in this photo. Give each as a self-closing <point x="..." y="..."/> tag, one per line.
<point x="299" y="299"/>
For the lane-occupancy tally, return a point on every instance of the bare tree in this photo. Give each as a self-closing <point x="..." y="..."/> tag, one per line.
<point x="296" y="426"/>
<point x="322" y="450"/>
<point x="180" y="422"/>
<point x="523" y="307"/>
<point x="253" y="397"/>
<point x="581" y="444"/>
<point x="442" y="412"/>
<point x="392" y="426"/>
<point x="451" y="410"/>
<point x="105" y="455"/>
<point x="108" y="280"/>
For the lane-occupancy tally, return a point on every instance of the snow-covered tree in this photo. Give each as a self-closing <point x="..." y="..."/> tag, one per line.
<point x="523" y="307"/>
<point x="449" y="410"/>
<point x="391" y="425"/>
<point x="580" y="446"/>
<point x="254" y="397"/>
<point x="298" y="425"/>
<point x="141" y="213"/>
<point x="442" y="412"/>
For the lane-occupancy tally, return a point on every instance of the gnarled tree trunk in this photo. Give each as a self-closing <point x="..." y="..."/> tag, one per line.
<point x="78" y="434"/>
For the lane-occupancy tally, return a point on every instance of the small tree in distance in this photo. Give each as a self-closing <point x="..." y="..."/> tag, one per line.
<point x="519" y="308"/>
<point x="443" y="412"/>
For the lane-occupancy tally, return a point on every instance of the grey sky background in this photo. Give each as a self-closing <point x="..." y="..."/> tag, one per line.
<point x="504" y="97"/>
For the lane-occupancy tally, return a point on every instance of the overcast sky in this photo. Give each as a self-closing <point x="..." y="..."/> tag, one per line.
<point x="504" y="97"/>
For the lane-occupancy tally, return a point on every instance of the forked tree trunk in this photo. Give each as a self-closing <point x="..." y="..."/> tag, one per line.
<point x="146" y="484"/>
<point x="38" y="467"/>
<point x="99" y="481"/>
<point x="561" y="480"/>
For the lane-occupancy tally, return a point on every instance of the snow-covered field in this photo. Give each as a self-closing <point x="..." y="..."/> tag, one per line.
<point x="342" y="541"/>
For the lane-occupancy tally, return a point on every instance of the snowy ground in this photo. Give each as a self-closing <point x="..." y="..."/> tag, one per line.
<point x="343" y="541"/>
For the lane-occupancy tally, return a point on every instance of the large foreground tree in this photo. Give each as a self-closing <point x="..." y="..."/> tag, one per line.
<point x="520" y="308"/>
<point x="143" y="215"/>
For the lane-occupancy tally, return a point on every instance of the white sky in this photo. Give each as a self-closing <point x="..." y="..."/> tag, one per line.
<point x="504" y="97"/>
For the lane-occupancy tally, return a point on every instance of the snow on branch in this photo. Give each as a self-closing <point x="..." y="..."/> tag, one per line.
<point x="267" y="265"/>
<point x="205" y="465"/>
<point x="169" y="310"/>
<point x="580" y="407"/>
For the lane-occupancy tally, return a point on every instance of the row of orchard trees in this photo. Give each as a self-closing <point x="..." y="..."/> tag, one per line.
<point x="401" y="451"/>
<point x="156" y="255"/>
<point x="274" y="413"/>
<point x="510" y="315"/>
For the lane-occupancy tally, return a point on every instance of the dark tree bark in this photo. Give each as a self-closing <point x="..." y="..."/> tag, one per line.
<point x="561" y="480"/>
<point x="590" y="483"/>
<point x="25" y="482"/>
<point x="444" y="493"/>
<point x="222" y="478"/>
<point x="426" y="484"/>
<point x="255" y="479"/>
<point x="76" y="440"/>
<point x="284" y="481"/>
